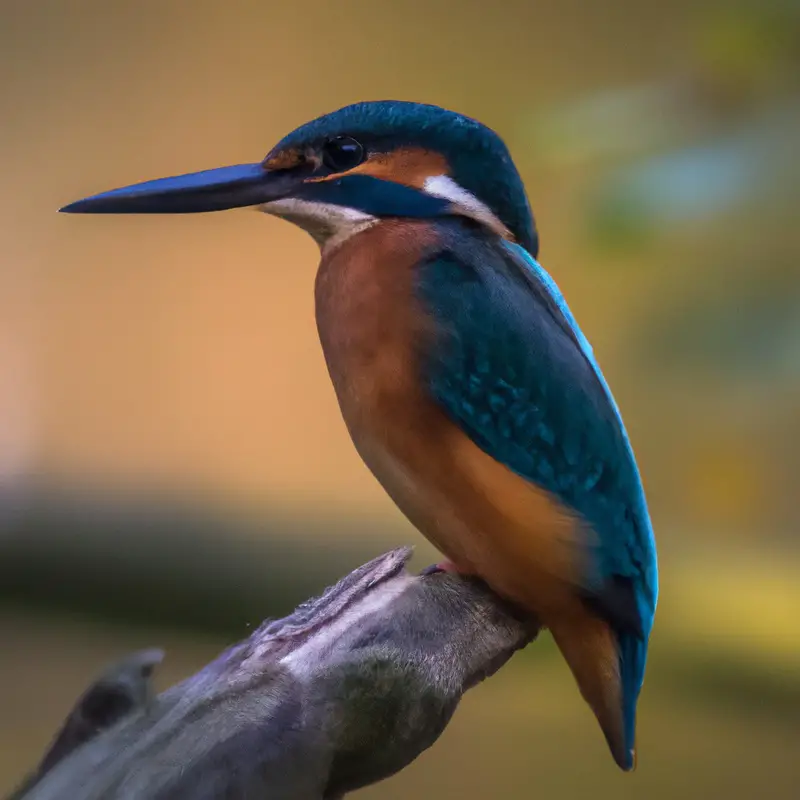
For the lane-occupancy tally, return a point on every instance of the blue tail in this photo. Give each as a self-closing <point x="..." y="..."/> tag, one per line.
<point x="632" y="658"/>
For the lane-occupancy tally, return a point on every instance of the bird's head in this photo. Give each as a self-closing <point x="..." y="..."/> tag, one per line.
<point x="343" y="170"/>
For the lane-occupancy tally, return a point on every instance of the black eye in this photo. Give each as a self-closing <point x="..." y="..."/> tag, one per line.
<point x="342" y="153"/>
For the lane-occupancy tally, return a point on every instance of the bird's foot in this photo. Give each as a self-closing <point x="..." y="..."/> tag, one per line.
<point x="442" y="566"/>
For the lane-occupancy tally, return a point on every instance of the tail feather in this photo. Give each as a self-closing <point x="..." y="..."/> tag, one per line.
<point x="608" y="670"/>
<point x="632" y="658"/>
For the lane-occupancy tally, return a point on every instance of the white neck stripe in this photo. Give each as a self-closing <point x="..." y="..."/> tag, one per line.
<point x="465" y="202"/>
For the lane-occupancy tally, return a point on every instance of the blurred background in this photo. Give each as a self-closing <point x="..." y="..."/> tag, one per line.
<point x="173" y="466"/>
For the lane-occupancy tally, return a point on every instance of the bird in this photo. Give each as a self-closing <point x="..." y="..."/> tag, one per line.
<point x="463" y="378"/>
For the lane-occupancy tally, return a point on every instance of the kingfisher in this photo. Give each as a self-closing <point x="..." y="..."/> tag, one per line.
<point x="463" y="378"/>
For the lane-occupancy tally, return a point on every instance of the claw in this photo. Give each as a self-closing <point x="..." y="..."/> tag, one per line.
<point x="442" y="566"/>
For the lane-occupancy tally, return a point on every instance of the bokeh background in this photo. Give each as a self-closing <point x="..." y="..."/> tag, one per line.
<point x="173" y="466"/>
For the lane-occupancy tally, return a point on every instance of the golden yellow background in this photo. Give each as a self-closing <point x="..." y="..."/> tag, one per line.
<point x="179" y="354"/>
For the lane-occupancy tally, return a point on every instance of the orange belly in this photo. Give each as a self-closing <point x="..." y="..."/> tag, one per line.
<point x="486" y="519"/>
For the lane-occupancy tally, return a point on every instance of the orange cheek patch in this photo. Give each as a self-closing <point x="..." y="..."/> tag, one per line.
<point x="410" y="166"/>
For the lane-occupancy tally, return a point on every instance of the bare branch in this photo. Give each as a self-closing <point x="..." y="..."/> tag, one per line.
<point x="344" y="692"/>
<point x="118" y="692"/>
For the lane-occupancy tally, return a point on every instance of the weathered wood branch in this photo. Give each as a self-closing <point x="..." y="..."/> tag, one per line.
<point x="346" y="691"/>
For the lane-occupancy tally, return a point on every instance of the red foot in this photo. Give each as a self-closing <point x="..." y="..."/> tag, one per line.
<point x="442" y="566"/>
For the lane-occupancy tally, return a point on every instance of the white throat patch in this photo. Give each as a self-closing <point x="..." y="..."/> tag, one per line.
<point x="329" y="225"/>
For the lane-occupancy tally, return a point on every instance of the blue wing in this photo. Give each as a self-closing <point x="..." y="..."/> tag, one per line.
<point x="514" y="371"/>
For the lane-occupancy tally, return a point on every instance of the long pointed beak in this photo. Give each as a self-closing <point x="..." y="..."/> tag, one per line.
<point x="211" y="190"/>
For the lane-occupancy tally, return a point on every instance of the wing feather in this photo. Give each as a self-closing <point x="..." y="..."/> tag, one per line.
<point x="512" y="368"/>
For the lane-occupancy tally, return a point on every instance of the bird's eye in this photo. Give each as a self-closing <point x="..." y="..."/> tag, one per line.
<point x="342" y="153"/>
